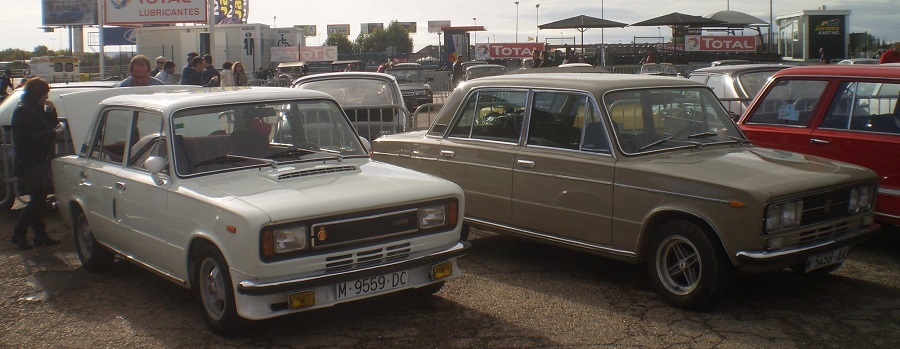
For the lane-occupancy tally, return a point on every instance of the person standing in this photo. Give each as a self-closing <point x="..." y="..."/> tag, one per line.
<point x="226" y="78"/>
<point x="892" y="55"/>
<point x="536" y="59"/>
<point x="458" y="73"/>
<point x="240" y="76"/>
<point x="35" y="127"/>
<point x="187" y="68"/>
<point x="210" y="76"/>
<point x="5" y="83"/>
<point x="823" y="57"/>
<point x="139" y="73"/>
<point x="160" y="65"/>
<point x="167" y="75"/>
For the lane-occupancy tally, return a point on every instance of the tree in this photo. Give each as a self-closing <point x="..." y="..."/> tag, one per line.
<point x="42" y="50"/>
<point x="14" y="54"/>
<point x="343" y="44"/>
<point x="396" y="38"/>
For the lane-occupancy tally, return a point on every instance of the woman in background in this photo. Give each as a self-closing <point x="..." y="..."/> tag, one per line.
<point x="240" y="77"/>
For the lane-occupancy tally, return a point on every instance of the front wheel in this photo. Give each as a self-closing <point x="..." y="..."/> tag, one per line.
<point x="685" y="267"/>
<point x="93" y="256"/>
<point x="212" y="283"/>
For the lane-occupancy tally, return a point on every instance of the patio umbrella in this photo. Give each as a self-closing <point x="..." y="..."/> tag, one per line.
<point x="676" y="19"/>
<point x="582" y="23"/>
<point x="735" y="19"/>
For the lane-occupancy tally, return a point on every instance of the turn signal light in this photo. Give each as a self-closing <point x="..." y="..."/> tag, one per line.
<point x="302" y="299"/>
<point x="442" y="270"/>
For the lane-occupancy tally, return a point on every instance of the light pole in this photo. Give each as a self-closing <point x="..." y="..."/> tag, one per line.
<point x="475" y="32"/>
<point x="517" y="21"/>
<point x="537" y="13"/>
<point x="273" y="22"/>
<point x="771" y="25"/>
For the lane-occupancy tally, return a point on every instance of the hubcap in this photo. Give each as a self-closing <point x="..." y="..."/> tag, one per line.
<point x="678" y="265"/>
<point x="212" y="288"/>
<point x="85" y="238"/>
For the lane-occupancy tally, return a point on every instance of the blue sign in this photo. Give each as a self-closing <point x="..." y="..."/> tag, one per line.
<point x="113" y="36"/>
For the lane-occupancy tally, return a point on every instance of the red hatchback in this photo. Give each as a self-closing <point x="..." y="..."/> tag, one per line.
<point x="847" y="113"/>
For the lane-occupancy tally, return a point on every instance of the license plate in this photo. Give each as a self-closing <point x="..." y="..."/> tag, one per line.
<point x="372" y="285"/>
<point x="826" y="259"/>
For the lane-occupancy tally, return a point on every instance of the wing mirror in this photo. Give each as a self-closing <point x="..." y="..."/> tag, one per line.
<point x="155" y="165"/>
<point x="365" y="143"/>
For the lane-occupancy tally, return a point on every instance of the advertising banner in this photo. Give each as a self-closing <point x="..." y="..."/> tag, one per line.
<point x="828" y="32"/>
<point x="343" y="29"/>
<point x="435" y="26"/>
<point x="308" y="29"/>
<point x="368" y="28"/>
<point x="119" y="36"/>
<point x="410" y="26"/>
<point x="67" y="12"/>
<point x="130" y="12"/>
<point x="318" y="53"/>
<point x="719" y="43"/>
<point x="284" y="54"/>
<point x="506" y="50"/>
<point x="230" y="11"/>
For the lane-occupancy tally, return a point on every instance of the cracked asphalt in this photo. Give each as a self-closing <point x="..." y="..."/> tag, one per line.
<point x="513" y="294"/>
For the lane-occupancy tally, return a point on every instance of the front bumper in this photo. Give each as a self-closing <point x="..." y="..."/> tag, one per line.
<point x="774" y="260"/>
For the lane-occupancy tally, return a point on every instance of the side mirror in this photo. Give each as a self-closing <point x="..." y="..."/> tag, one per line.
<point x="155" y="165"/>
<point x="365" y="143"/>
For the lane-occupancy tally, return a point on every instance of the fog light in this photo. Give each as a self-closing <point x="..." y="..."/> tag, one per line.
<point x="302" y="299"/>
<point x="774" y="243"/>
<point x="442" y="270"/>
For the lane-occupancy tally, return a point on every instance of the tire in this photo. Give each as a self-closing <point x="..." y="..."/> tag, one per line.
<point x="464" y="232"/>
<point x="93" y="256"/>
<point x="686" y="268"/>
<point x="215" y="291"/>
<point x="799" y="269"/>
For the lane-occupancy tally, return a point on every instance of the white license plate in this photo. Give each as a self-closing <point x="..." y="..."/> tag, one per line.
<point x="372" y="285"/>
<point x="826" y="259"/>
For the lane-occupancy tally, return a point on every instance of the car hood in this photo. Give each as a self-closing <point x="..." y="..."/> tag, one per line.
<point x="290" y="192"/>
<point x="751" y="169"/>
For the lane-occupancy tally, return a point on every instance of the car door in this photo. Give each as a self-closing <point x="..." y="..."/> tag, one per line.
<point x="479" y="150"/>
<point x="862" y="126"/>
<point x="781" y="118"/>
<point x="141" y="198"/>
<point x="563" y="176"/>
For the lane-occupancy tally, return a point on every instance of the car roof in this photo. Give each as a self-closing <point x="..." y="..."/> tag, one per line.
<point x="726" y="69"/>
<point x="83" y="84"/>
<point x="592" y="82"/>
<point x="848" y="70"/>
<point x="179" y="99"/>
<point x="292" y="64"/>
<point x="557" y="70"/>
<point x="345" y="75"/>
<point x="484" y="66"/>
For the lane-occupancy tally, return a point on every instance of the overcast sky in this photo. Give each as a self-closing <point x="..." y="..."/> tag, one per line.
<point x="877" y="17"/>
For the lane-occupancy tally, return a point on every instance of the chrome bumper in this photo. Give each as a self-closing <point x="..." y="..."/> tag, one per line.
<point x="797" y="254"/>
<point x="251" y="288"/>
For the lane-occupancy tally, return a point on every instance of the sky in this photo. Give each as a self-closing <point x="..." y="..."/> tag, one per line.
<point x="500" y="19"/>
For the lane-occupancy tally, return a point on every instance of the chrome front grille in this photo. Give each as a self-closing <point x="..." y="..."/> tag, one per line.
<point x="819" y="233"/>
<point x="367" y="258"/>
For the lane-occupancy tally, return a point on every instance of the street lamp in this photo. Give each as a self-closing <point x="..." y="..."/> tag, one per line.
<point x="517" y="21"/>
<point x="475" y="32"/>
<point x="273" y="22"/>
<point x="536" y="21"/>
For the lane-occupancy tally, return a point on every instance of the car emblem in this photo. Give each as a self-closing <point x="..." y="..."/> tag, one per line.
<point x="322" y="234"/>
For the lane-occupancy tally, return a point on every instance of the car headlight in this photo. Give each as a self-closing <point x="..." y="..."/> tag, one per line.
<point x="784" y="215"/>
<point x="420" y="92"/>
<point x="433" y="216"/>
<point x="861" y="199"/>
<point x="285" y="239"/>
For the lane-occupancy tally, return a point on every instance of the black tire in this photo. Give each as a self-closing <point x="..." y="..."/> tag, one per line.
<point x="686" y="268"/>
<point x="215" y="291"/>
<point x="464" y="232"/>
<point x="799" y="269"/>
<point x="94" y="257"/>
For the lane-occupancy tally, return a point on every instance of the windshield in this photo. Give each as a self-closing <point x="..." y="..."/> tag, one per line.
<point x="355" y="92"/>
<point x="753" y="82"/>
<point x="666" y="118"/>
<point x="405" y="76"/>
<point x="221" y="138"/>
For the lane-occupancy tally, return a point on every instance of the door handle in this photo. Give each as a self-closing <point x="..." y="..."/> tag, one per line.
<point x="120" y="185"/>
<point x="525" y="164"/>
<point x="448" y="153"/>
<point x="818" y="141"/>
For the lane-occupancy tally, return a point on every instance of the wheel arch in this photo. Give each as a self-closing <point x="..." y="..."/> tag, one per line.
<point x="196" y="242"/>
<point x="657" y="219"/>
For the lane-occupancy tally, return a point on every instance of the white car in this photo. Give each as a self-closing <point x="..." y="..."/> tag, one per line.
<point x="191" y="185"/>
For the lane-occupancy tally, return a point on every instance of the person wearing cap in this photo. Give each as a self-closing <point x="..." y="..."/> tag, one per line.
<point x="160" y="61"/>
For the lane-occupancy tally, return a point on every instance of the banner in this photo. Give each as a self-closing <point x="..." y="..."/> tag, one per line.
<point x="119" y="36"/>
<point x="66" y="12"/>
<point x="435" y="26"/>
<point x="318" y="53"/>
<point x="453" y="42"/>
<point x="130" y="12"/>
<point x="343" y="29"/>
<point x="719" y="43"/>
<point x="506" y="50"/>
<point x="368" y="28"/>
<point x="410" y="26"/>
<point x="308" y="29"/>
<point x="284" y="54"/>
<point x="230" y="11"/>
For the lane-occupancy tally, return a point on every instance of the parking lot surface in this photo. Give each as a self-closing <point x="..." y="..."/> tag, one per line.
<point x="513" y="294"/>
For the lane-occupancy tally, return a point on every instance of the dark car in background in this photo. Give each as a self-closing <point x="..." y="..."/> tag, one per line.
<point x="414" y="85"/>
<point x="843" y="112"/>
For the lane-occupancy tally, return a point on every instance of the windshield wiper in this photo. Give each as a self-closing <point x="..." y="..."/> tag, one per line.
<point x="657" y="142"/>
<point x="703" y="134"/>
<point x="231" y="159"/>
<point x="300" y="151"/>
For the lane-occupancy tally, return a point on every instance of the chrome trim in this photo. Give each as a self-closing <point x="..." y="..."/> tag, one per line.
<point x="142" y="264"/>
<point x="721" y="201"/>
<point x="313" y="228"/>
<point x="254" y="288"/>
<point x="554" y="238"/>
<point x="886" y="191"/>
<point x="887" y="215"/>
<point x="771" y="255"/>
<point x="532" y="172"/>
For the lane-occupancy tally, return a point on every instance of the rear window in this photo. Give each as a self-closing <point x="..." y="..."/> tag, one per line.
<point x="865" y="106"/>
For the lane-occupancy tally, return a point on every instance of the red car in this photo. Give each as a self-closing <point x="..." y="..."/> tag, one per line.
<point x="847" y="113"/>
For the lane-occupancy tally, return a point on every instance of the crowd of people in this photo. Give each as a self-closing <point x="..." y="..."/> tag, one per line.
<point x="198" y="71"/>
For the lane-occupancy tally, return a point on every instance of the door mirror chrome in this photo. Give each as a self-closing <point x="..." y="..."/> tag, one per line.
<point x="155" y="164"/>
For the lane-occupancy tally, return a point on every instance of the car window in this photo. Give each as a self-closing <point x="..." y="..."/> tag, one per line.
<point x="717" y="83"/>
<point x="557" y="120"/>
<point x="752" y="82"/>
<point x="355" y="92"/>
<point x="145" y="140"/>
<point x="699" y="77"/>
<point x="665" y="118"/>
<point x="492" y="115"/>
<point x="856" y="108"/>
<point x="789" y="102"/>
<point x="109" y="142"/>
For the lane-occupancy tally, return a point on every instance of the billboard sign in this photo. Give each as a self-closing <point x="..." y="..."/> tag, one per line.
<point x="308" y="29"/>
<point x="284" y="54"/>
<point x="435" y="26"/>
<point x="342" y="29"/>
<point x="318" y="53"/>
<point x="119" y="36"/>
<point x="230" y="11"/>
<point x="68" y="12"/>
<point x="410" y="26"/>
<point x="368" y="28"/>
<point x="719" y="43"/>
<point x="506" y="50"/>
<point x="130" y="12"/>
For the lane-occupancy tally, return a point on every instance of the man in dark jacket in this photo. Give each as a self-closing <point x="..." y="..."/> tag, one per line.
<point x="209" y="72"/>
<point x="34" y="127"/>
<point x="187" y="68"/>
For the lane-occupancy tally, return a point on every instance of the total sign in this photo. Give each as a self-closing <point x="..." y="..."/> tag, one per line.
<point x="719" y="43"/>
<point x="506" y="50"/>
